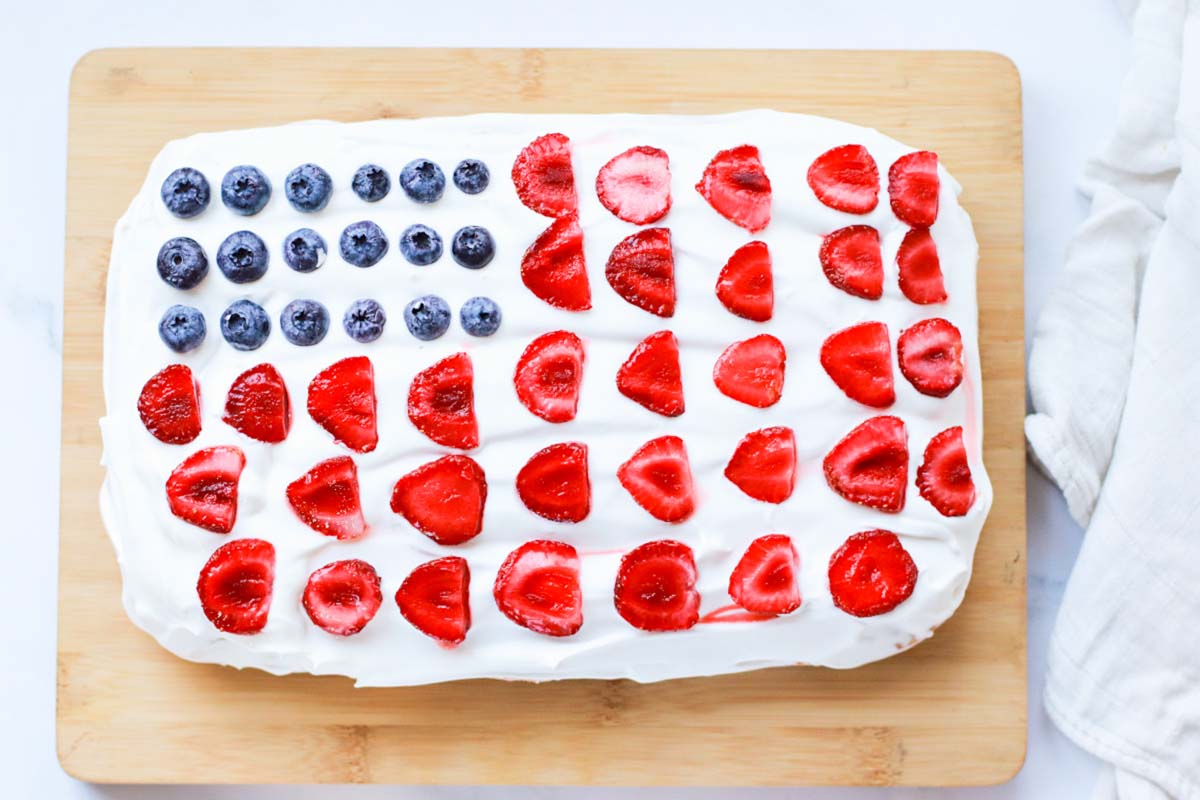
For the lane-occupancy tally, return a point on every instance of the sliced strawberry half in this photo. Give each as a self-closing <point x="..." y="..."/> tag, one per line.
<point x="659" y="478"/>
<point x="913" y="188"/>
<point x="930" y="355"/>
<point x="746" y="285"/>
<point x="641" y="269"/>
<point x="636" y="185"/>
<point x="736" y="185"/>
<point x="920" y="269"/>
<point x="341" y="399"/>
<point x="170" y="405"/>
<point x="656" y="587"/>
<point x="944" y="477"/>
<point x="853" y="262"/>
<point x="549" y="374"/>
<point x="764" y="464"/>
<point x="751" y="372"/>
<point x="537" y="587"/>
<point x="342" y="597"/>
<point x="871" y="574"/>
<point x="443" y="499"/>
<point x="554" y="268"/>
<point x="869" y="466"/>
<point x="236" y="586"/>
<point x="441" y="402"/>
<point x="859" y="360"/>
<point x="544" y="178"/>
<point x="435" y="599"/>
<point x="846" y="178"/>
<point x="651" y="375"/>
<point x="764" y="580"/>
<point x="258" y="405"/>
<point x="554" y="483"/>
<point x="326" y="499"/>
<point x="203" y="490"/>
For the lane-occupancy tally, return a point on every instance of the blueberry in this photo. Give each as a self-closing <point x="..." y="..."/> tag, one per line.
<point x="182" y="262"/>
<point x="245" y="190"/>
<point x="480" y="316"/>
<point x="304" y="250"/>
<point x="304" y="322"/>
<point x="364" y="321"/>
<point x="371" y="183"/>
<point x="427" y="317"/>
<point x="182" y="328"/>
<point x="185" y="192"/>
<point x="242" y="257"/>
<point x="423" y="180"/>
<point x="471" y="176"/>
<point x="420" y="245"/>
<point x="472" y="247"/>
<point x="245" y="325"/>
<point x="308" y="187"/>
<point x="363" y="244"/>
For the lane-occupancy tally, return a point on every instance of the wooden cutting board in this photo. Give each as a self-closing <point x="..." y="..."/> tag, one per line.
<point x="951" y="711"/>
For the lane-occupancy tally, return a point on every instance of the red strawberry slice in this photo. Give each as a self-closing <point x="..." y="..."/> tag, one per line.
<point x="869" y="466"/>
<point x="764" y="464"/>
<point x="737" y="187"/>
<point x="343" y="596"/>
<point x="859" y="359"/>
<point x="543" y="176"/>
<point x="913" y="188"/>
<point x="656" y="587"/>
<point x="659" y="478"/>
<point x="846" y="178"/>
<point x="871" y="574"/>
<point x="441" y="402"/>
<point x="920" y="269"/>
<point x="203" y="490"/>
<point x="751" y="372"/>
<point x="554" y="269"/>
<point x="435" y="599"/>
<point x="537" y="587"/>
<point x="549" y="374"/>
<point x="641" y="269"/>
<point x="636" y="185"/>
<point x="341" y="399"/>
<point x="944" y="477"/>
<point x="746" y="285"/>
<point x="443" y="499"/>
<point x="853" y="262"/>
<point x="326" y="499"/>
<point x="930" y="355"/>
<point x="170" y="405"/>
<point x="651" y="375"/>
<point x="236" y="586"/>
<point x="554" y="483"/>
<point x="764" y="580"/>
<point x="258" y="405"/>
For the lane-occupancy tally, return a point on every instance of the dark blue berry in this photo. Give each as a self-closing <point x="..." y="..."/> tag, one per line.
<point x="427" y="317"/>
<point x="371" y="183"/>
<point x="364" y="321"/>
<point x="308" y="188"/>
<point x="480" y="316"/>
<point x="363" y="244"/>
<point x="185" y="192"/>
<point x="245" y="325"/>
<point x="472" y="247"/>
<point x="423" y="180"/>
<point x="471" y="176"/>
<point x="304" y="250"/>
<point x="420" y="245"/>
<point x="242" y="257"/>
<point x="304" y="322"/>
<point x="182" y="328"/>
<point x="182" y="262"/>
<point x="245" y="190"/>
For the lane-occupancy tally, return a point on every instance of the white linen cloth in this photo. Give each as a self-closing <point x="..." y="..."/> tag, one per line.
<point x="1114" y="377"/>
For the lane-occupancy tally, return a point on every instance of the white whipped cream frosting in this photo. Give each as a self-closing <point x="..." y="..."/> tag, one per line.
<point x="160" y="556"/>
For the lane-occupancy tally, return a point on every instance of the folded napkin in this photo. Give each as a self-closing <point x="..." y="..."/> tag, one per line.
<point x="1114" y="376"/>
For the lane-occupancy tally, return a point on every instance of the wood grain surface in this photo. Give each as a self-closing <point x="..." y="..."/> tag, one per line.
<point x="950" y="711"/>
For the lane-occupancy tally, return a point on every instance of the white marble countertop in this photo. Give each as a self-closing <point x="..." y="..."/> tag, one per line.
<point x="1071" y="55"/>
